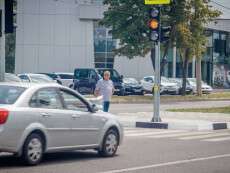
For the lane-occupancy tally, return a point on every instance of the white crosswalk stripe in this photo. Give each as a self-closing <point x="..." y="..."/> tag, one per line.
<point x="206" y="136"/>
<point x="217" y="139"/>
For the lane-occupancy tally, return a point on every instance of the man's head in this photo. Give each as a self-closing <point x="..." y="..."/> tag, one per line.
<point x="106" y="75"/>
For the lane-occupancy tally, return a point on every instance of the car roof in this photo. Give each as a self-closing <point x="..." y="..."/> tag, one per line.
<point x="58" y="73"/>
<point x="29" y="85"/>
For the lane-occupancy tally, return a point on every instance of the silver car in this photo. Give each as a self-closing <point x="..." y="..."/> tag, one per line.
<point x="42" y="118"/>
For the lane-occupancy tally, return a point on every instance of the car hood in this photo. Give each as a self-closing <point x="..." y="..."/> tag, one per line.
<point x="106" y="115"/>
<point x="206" y="86"/>
<point x="168" y="84"/>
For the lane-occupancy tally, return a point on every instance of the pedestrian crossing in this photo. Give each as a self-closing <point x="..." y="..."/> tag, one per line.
<point x="207" y="136"/>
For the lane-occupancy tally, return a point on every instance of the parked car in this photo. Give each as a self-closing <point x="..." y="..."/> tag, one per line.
<point x="166" y="87"/>
<point x="35" y="78"/>
<point x="117" y="80"/>
<point x="66" y="78"/>
<point x="205" y="88"/>
<point x="132" y="86"/>
<point x="41" y="118"/>
<point x="148" y="83"/>
<point x="9" y="77"/>
<point x="54" y="76"/>
<point x="178" y="81"/>
<point x="169" y="87"/>
<point x="85" y="80"/>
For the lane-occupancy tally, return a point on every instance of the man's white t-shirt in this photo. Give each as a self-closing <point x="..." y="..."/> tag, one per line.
<point x="105" y="88"/>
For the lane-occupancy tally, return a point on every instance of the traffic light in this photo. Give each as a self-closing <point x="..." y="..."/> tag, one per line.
<point x="154" y="24"/>
<point x="10" y="16"/>
<point x="165" y="33"/>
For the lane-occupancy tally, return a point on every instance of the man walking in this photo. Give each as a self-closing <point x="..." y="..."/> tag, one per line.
<point x="105" y="88"/>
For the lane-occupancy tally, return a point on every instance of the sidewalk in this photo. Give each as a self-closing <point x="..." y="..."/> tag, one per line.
<point x="178" y="120"/>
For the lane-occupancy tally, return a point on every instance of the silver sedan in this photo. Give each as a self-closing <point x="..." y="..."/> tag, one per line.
<point x="42" y="118"/>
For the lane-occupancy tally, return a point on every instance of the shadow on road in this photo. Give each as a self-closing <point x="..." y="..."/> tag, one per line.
<point x="11" y="161"/>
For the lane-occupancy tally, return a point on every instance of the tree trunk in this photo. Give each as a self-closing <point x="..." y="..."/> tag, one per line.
<point x="198" y="77"/>
<point x="185" y="72"/>
<point x="184" y="76"/>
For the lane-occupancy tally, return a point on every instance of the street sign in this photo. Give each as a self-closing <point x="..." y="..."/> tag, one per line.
<point x="156" y="2"/>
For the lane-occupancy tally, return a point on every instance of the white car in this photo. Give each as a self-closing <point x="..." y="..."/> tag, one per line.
<point x="205" y="88"/>
<point x="165" y="87"/>
<point x="169" y="86"/>
<point x="35" y="78"/>
<point x="66" y="79"/>
<point x="41" y="118"/>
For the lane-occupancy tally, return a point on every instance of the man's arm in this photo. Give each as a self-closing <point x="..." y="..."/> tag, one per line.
<point x="97" y="89"/>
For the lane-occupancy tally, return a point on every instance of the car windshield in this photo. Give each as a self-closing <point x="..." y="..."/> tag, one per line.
<point x="11" y="78"/>
<point x="36" y="78"/>
<point x="130" y="80"/>
<point x="51" y="75"/>
<point x="81" y="74"/>
<point x="66" y="76"/>
<point x="192" y="81"/>
<point x="164" y="80"/>
<point x="10" y="94"/>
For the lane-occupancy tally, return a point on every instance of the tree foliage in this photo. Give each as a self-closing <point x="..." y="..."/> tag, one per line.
<point x="128" y="22"/>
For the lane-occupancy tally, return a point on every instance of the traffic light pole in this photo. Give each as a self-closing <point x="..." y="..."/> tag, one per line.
<point x="157" y="76"/>
<point x="157" y="81"/>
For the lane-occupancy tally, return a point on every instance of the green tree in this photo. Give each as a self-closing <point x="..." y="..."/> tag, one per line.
<point x="128" y="22"/>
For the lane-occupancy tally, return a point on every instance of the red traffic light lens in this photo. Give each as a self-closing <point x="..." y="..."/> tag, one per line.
<point x="153" y="24"/>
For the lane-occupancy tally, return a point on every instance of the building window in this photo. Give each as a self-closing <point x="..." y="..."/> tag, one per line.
<point x="104" y="45"/>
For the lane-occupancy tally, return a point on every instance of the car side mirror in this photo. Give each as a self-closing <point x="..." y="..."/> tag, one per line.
<point x="94" y="108"/>
<point x="122" y="77"/>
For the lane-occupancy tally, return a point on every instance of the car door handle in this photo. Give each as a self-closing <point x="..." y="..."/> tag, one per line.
<point x="45" y="115"/>
<point x="76" y="116"/>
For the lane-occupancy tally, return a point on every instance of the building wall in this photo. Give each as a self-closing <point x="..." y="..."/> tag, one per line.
<point x="51" y="37"/>
<point x="137" y="67"/>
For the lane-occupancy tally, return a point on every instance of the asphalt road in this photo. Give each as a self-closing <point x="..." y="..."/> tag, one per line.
<point x="143" y="151"/>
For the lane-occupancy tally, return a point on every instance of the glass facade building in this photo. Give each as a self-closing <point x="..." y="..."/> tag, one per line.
<point x="104" y="45"/>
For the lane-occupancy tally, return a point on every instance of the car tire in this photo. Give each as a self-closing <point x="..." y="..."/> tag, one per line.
<point x="33" y="150"/>
<point x="110" y="144"/>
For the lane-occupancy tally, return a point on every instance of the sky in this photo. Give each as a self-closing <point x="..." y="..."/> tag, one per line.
<point x="224" y="7"/>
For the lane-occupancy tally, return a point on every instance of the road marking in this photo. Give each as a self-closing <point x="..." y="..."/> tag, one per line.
<point x="181" y="134"/>
<point x="179" y="162"/>
<point x="205" y="136"/>
<point x="151" y="133"/>
<point x="217" y="139"/>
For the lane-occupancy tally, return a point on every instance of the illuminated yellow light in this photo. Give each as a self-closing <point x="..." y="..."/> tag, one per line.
<point x="153" y="24"/>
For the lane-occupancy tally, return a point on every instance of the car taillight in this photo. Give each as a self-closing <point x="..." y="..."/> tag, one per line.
<point x="3" y="116"/>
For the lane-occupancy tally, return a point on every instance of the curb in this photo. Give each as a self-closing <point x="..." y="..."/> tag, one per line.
<point x="164" y="125"/>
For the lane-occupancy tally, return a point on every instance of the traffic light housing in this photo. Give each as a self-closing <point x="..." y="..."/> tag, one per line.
<point x="9" y="16"/>
<point x="165" y="33"/>
<point x="154" y="24"/>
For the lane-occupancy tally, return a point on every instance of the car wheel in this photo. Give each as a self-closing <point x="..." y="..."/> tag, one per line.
<point x="110" y="144"/>
<point x="33" y="149"/>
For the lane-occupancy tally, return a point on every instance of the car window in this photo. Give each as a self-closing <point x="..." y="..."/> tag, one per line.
<point x="24" y="78"/>
<point x="47" y="99"/>
<point x="81" y="74"/>
<point x="10" y="94"/>
<point x="72" y="102"/>
<point x="66" y="76"/>
<point x="93" y="74"/>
